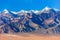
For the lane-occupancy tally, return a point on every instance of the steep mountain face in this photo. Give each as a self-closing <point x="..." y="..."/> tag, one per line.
<point x="44" y="21"/>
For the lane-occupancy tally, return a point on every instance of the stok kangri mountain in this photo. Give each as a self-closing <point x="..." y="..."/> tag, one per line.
<point x="46" y="20"/>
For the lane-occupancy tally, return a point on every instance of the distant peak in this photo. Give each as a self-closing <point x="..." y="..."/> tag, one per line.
<point x="5" y="11"/>
<point x="22" y="11"/>
<point x="56" y="9"/>
<point x="35" y="11"/>
<point x="47" y="8"/>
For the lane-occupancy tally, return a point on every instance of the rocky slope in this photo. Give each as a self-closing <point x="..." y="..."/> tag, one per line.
<point x="45" y="21"/>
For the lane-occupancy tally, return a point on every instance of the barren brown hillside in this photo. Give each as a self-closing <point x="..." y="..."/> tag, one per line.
<point x="31" y="37"/>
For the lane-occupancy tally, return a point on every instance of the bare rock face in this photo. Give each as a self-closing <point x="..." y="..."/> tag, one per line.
<point x="44" y="21"/>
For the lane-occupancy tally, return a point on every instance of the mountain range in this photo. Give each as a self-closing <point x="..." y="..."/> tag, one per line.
<point x="46" y="20"/>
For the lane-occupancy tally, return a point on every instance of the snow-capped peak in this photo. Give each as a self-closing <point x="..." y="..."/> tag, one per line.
<point x="35" y="11"/>
<point x="5" y="11"/>
<point x="22" y="11"/>
<point x="46" y="9"/>
<point x="56" y="9"/>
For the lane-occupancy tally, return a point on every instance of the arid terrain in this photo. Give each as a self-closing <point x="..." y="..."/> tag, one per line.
<point x="30" y="37"/>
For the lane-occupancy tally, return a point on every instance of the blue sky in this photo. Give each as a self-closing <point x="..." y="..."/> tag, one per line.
<point x="16" y="5"/>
